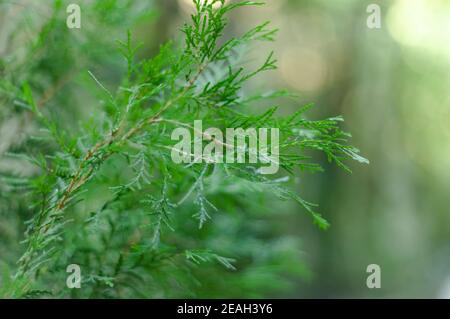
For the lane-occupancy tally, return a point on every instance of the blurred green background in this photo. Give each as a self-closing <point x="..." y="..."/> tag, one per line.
<point x="391" y="85"/>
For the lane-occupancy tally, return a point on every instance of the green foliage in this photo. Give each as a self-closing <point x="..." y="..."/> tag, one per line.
<point x="106" y="195"/>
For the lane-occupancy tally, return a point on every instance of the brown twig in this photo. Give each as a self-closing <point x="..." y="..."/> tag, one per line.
<point x="79" y="178"/>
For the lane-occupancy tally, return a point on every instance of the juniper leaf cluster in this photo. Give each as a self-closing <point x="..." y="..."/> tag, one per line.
<point x="103" y="192"/>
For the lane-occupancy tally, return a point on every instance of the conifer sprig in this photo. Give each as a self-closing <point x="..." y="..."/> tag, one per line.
<point x="125" y="153"/>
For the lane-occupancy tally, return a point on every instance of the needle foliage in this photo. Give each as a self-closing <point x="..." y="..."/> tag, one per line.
<point x="99" y="188"/>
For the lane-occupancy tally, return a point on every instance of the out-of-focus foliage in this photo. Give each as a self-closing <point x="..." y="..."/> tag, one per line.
<point x="391" y="85"/>
<point x="93" y="184"/>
